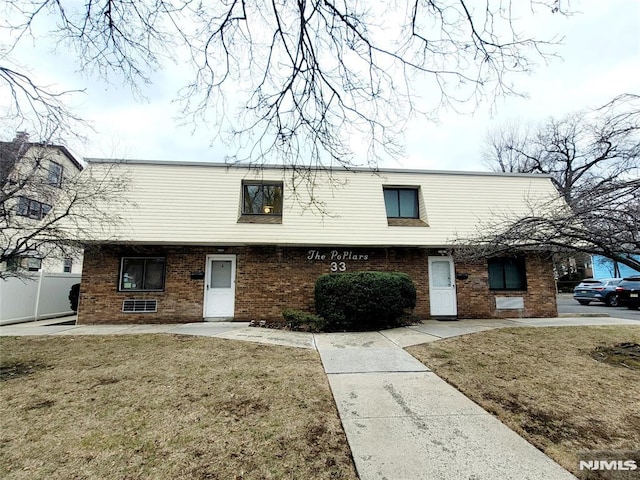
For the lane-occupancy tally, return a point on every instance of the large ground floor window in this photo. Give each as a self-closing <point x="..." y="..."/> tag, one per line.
<point x="142" y="274"/>
<point x="507" y="273"/>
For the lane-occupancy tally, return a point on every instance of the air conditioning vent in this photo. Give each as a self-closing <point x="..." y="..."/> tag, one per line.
<point x="139" y="306"/>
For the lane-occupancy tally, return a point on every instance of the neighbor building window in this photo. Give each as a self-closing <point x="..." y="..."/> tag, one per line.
<point x="507" y="274"/>
<point x="14" y="264"/>
<point x="401" y="202"/>
<point x="262" y="198"/>
<point x="142" y="274"/>
<point x="32" y="208"/>
<point x="68" y="265"/>
<point x="55" y="174"/>
<point x="34" y="264"/>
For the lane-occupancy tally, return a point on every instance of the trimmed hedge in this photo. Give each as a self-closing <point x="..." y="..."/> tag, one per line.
<point x="299" y="320"/>
<point x="364" y="300"/>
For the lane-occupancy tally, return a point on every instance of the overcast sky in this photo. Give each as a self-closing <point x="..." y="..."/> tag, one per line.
<point x="600" y="58"/>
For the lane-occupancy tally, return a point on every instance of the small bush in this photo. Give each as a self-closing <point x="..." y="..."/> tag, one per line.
<point x="74" y="295"/>
<point x="364" y="300"/>
<point x="299" y="320"/>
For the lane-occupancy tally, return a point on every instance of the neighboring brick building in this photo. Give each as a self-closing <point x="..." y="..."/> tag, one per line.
<point x="205" y="241"/>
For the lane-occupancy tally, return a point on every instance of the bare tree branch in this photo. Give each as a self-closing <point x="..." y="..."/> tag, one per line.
<point x="36" y="108"/>
<point x="312" y="74"/>
<point x="593" y="158"/>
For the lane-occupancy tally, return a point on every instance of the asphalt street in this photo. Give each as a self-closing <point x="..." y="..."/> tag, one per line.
<point x="566" y="304"/>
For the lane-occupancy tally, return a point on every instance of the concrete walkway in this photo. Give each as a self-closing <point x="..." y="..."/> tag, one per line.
<point x="401" y="420"/>
<point x="404" y="422"/>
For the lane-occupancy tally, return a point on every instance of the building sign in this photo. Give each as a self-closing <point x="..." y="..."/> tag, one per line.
<point x="337" y="258"/>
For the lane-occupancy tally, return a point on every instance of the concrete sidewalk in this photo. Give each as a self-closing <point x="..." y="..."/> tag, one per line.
<point x="401" y="420"/>
<point x="424" y="332"/>
<point x="404" y="422"/>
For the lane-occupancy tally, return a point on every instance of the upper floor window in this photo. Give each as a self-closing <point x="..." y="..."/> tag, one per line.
<point x="401" y="202"/>
<point x="262" y="198"/>
<point x="32" y="208"/>
<point x="142" y="274"/>
<point x="55" y="174"/>
<point x="68" y="265"/>
<point x="507" y="274"/>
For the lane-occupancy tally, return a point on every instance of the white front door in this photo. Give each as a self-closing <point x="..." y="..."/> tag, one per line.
<point x="220" y="287"/>
<point x="442" y="287"/>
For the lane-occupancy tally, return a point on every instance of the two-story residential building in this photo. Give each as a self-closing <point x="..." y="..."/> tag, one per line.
<point x="202" y="241"/>
<point x="39" y="263"/>
<point x="33" y="179"/>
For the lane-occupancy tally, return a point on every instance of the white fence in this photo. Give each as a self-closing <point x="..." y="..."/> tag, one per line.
<point x="42" y="295"/>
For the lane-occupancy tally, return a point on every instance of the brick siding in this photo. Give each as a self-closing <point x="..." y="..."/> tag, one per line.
<point x="475" y="300"/>
<point x="269" y="279"/>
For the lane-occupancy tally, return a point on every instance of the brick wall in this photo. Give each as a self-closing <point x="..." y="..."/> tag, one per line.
<point x="475" y="300"/>
<point x="269" y="279"/>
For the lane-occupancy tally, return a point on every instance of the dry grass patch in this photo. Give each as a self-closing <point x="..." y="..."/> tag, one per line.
<point x="166" y="407"/>
<point x="545" y="384"/>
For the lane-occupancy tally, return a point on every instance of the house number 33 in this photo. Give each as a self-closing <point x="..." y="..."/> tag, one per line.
<point x="338" y="266"/>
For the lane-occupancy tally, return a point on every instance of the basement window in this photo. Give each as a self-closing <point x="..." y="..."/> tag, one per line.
<point x="142" y="274"/>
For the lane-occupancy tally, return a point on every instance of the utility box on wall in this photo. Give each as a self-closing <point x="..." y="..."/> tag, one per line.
<point x="509" y="303"/>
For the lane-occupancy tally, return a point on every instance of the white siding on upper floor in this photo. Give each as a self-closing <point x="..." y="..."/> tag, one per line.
<point x="200" y="204"/>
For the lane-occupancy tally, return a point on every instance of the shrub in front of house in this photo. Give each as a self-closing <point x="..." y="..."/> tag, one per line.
<point x="364" y="300"/>
<point x="299" y="320"/>
<point x="74" y="295"/>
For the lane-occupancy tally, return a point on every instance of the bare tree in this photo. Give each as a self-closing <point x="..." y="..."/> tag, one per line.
<point x="593" y="159"/>
<point x="311" y="74"/>
<point x="44" y="206"/>
<point x="29" y="106"/>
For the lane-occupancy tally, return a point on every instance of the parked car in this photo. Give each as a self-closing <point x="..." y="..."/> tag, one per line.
<point x="628" y="291"/>
<point x="597" y="290"/>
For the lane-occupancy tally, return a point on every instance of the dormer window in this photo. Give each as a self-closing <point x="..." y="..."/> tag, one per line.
<point x="260" y="198"/>
<point x="401" y="202"/>
<point x="55" y="174"/>
<point x="403" y="206"/>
